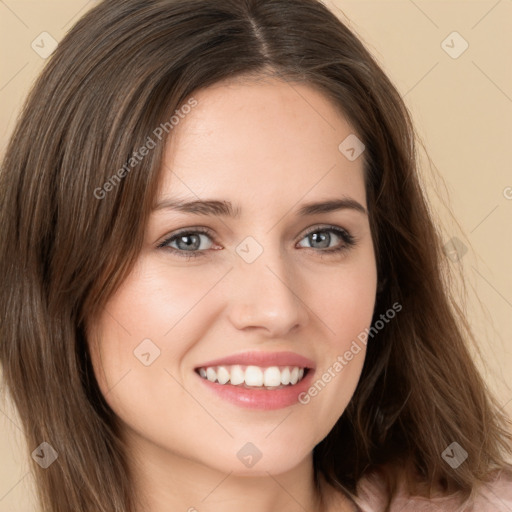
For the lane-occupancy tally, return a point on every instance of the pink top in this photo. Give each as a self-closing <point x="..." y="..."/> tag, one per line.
<point x="494" y="497"/>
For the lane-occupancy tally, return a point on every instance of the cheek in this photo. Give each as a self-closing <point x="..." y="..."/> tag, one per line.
<point x="343" y="298"/>
<point x="148" y="305"/>
<point x="344" y="313"/>
<point x="154" y="317"/>
<point x="155" y="297"/>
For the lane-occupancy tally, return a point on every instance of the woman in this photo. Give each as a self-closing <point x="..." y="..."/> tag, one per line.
<point x="222" y="284"/>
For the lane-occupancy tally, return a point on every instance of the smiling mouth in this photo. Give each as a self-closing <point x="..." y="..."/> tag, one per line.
<point x="254" y="377"/>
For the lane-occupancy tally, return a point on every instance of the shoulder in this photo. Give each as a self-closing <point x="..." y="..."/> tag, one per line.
<point x="494" y="496"/>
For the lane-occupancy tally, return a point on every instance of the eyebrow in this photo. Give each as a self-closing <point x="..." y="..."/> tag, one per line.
<point x="226" y="209"/>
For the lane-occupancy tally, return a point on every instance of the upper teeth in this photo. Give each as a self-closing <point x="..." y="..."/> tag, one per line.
<point x="272" y="376"/>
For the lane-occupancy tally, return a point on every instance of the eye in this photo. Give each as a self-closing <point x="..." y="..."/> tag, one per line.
<point x="188" y="243"/>
<point x="320" y="237"/>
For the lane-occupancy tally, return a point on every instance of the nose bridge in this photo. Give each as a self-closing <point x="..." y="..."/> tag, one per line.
<point x="263" y="292"/>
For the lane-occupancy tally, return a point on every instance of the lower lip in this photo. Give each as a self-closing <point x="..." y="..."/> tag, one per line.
<point x="266" y="399"/>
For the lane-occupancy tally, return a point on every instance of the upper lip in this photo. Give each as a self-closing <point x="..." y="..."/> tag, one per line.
<point x="264" y="359"/>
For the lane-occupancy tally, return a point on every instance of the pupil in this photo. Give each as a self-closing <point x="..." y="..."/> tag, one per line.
<point x="321" y="237"/>
<point x="190" y="243"/>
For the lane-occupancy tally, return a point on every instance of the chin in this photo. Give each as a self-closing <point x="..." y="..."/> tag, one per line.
<point x="249" y="461"/>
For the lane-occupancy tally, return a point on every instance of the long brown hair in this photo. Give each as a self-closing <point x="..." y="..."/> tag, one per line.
<point x="68" y="241"/>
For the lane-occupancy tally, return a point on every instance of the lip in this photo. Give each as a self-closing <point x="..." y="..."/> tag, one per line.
<point x="263" y="359"/>
<point x="262" y="399"/>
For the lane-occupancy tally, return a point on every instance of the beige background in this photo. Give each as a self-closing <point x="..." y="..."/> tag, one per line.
<point x="462" y="108"/>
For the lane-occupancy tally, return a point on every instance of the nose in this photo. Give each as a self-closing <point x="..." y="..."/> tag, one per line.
<point x="266" y="295"/>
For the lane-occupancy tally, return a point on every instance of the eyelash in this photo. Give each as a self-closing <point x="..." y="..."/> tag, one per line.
<point x="348" y="239"/>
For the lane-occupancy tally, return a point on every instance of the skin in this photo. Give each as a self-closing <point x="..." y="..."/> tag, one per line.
<point x="267" y="147"/>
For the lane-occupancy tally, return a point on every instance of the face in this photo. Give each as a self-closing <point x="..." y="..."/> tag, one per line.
<point x="266" y="290"/>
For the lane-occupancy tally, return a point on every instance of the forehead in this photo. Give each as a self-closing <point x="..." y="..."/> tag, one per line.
<point x="271" y="140"/>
